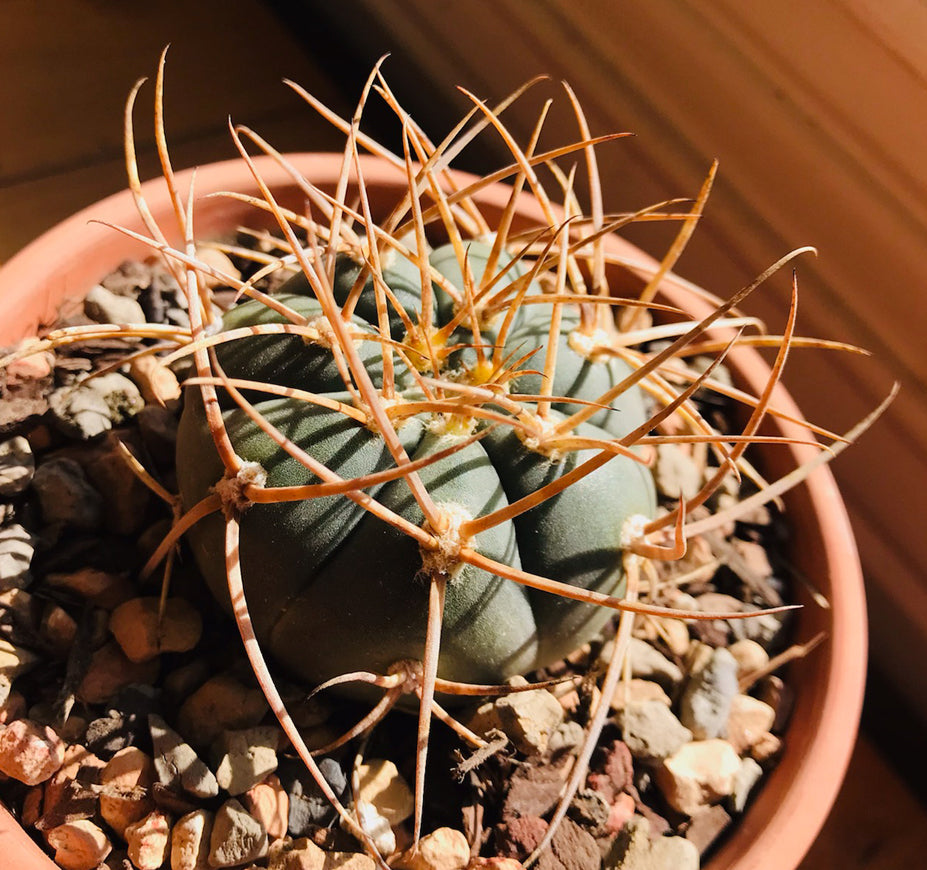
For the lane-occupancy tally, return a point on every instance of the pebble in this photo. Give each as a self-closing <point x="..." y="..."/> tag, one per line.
<point x="104" y="306"/>
<point x="650" y="664"/>
<point x="79" y="845"/>
<point x="381" y="785"/>
<point x="222" y="703"/>
<point x="29" y="752"/>
<point x="375" y="826"/>
<point x="58" y="629"/>
<point x="127" y="779"/>
<point x="303" y="854"/>
<point x="17" y="546"/>
<point x="533" y="791"/>
<point x="706" y="701"/>
<point x="270" y="805"/>
<point x="637" y="690"/>
<point x="66" y="496"/>
<point x="590" y="809"/>
<point x="568" y="737"/>
<point x="765" y="748"/>
<point x="620" y="813"/>
<point x="246" y="757"/>
<point x="190" y="841"/>
<point x="707" y="826"/>
<point x="699" y="774"/>
<point x="750" y="656"/>
<point x="308" y="806"/>
<point x="110" y="671"/>
<point x="69" y="794"/>
<point x="176" y="762"/>
<point x="634" y="849"/>
<point x="613" y="769"/>
<point x="651" y="731"/>
<point x="529" y="719"/>
<point x="747" y="777"/>
<point x="101" y="588"/>
<point x="14" y="660"/>
<point x="442" y="849"/>
<point x="142" y="635"/>
<point x="149" y="840"/>
<point x="17" y="465"/>
<point x="519" y="837"/>
<point x="765" y="629"/>
<point x="772" y="690"/>
<point x="220" y="261"/>
<point x="236" y="837"/>
<point x="92" y="406"/>
<point x="676" y="474"/>
<point x="158" y="384"/>
<point x="749" y="719"/>
<point x="127" y="498"/>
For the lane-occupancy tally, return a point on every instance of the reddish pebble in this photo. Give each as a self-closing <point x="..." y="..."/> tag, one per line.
<point x="149" y="841"/>
<point x="79" y="845"/>
<point x="620" y="813"/>
<point x="270" y="805"/>
<point x="29" y="752"/>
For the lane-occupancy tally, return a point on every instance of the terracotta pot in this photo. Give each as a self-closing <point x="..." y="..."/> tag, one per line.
<point x="787" y="814"/>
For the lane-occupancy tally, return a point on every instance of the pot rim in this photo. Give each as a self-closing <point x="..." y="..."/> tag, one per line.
<point x="796" y="797"/>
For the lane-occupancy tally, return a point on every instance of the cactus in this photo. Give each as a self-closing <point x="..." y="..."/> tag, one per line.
<point x="424" y="463"/>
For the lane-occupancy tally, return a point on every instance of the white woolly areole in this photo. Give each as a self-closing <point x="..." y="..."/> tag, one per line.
<point x="634" y="529"/>
<point x="445" y="558"/>
<point x="539" y="440"/>
<point x="326" y="334"/>
<point x="592" y="345"/>
<point x="231" y="490"/>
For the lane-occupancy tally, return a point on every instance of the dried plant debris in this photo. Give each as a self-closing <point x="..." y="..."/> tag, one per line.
<point x="515" y="495"/>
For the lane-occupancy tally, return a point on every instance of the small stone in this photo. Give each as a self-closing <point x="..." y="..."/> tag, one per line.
<point x="15" y="660"/>
<point x="127" y="497"/>
<point x="246" y="758"/>
<point x="773" y="690"/>
<point x="748" y="721"/>
<point x="222" y="703"/>
<point x="13" y="706"/>
<point x="104" y="306"/>
<point x="58" y="629"/>
<point x="620" y="813"/>
<point x="568" y="737"/>
<point x="707" y="826"/>
<point x="590" y="810"/>
<point x="634" y="849"/>
<point x="110" y="671"/>
<point x="143" y="635"/>
<point x="108" y="734"/>
<point x="310" y="808"/>
<point x="149" y="840"/>
<point x="190" y="841"/>
<point x="747" y="777"/>
<point x="375" y="826"/>
<point x="65" y="495"/>
<point x="529" y="719"/>
<point x="754" y="559"/>
<point x="442" y="849"/>
<point x="17" y="547"/>
<point x="382" y="786"/>
<point x="699" y="774"/>
<point x="127" y="779"/>
<point x="674" y="633"/>
<point x="79" y="845"/>
<point x="676" y="474"/>
<point x="571" y="848"/>
<point x="176" y="762"/>
<point x="518" y="838"/>
<point x="221" y="262"/>
<point x="158" y="384"/>
<point x="301" y="854"/>
<point x="765" y="748"/>
<point x="236" y="837"/>
<point x="101" y="588"/>
<point x="706" y="701"/>
<point x="270" y="805"/>
<point x="750" y="657"/>
<point x="650" y="664"/>
<point x="637" y="690"/>
<point x="17" y="465"/>
<point x="613" y="769"/>
<point x="651" y="731"/>
<point x="30" y="752"/>
<point x="70" y="793"/>
<point x="764" y="628"/>
<point x="94" y="405"/>
<point x="533" y="791"/>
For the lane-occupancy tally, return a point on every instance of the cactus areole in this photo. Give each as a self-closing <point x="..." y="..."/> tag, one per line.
<point x="333" y="588"/>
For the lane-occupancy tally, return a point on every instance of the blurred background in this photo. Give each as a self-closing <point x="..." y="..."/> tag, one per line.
<point x="817" y="113"/>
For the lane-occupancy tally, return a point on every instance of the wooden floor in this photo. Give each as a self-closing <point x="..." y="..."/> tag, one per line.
<point x="65" y="69"/>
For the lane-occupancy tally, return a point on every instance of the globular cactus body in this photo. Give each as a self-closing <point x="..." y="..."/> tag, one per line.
<point x="334" y="589"/>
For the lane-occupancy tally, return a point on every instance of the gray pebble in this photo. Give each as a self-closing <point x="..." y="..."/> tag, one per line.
<point x="246" y="757"/>
<point x="94" y="405"/>
<point x="650" y="664"/>
<point x="65" y="495"/>
<point x="747" y="777"/>
<point x="177" y="763"/>
<point x="308" y="806"/>
<point x="17" y="465"/>
<point x="17" y="547"/>
<point x="651" y="731"/>
<point x="765" y="629"/>
<point x="104" y="306"/>
<point x="236" y="837"/>
<point x="706" y="701"/>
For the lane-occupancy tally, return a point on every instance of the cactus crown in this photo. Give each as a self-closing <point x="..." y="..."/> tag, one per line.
<point x="430" y="449"/>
